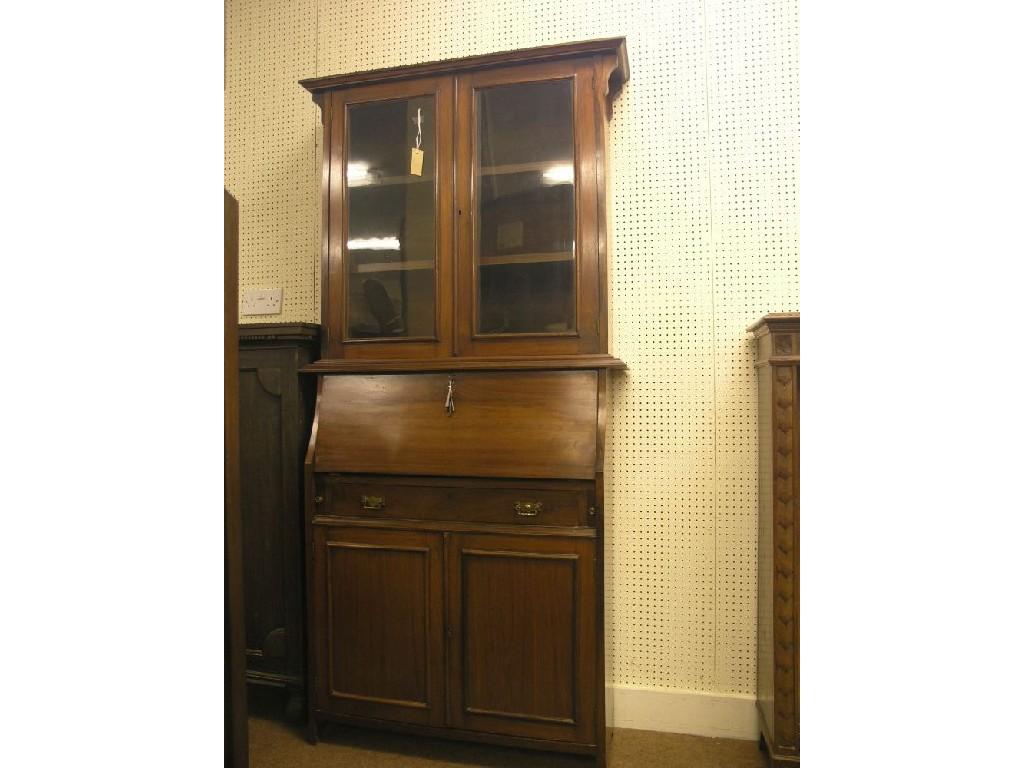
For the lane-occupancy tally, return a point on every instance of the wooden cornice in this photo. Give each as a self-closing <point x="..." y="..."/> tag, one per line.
<point x="776" y="321"/>
<point x="444" y="364"/>
<point x="612" y="45"/>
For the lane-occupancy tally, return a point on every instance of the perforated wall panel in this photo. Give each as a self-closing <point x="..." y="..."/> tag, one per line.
<point x="269" y="133"/>
<point x="703" y="220"/>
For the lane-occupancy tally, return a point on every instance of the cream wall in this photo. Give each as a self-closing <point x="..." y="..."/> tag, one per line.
<point x="704" y="226"/>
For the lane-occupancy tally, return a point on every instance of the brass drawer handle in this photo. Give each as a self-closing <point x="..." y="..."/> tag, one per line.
<point x="372" y="502"/>
<point x="529" y="508"/>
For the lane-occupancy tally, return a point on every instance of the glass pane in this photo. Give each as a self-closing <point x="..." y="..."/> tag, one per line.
<point x="525" y="224"/>
<point x="391" y="248"/>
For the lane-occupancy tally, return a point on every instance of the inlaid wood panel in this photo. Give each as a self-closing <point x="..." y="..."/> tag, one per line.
<point x="522" y="617"/>
<point x="381" y="606"/>
<point x="509" y="424"/>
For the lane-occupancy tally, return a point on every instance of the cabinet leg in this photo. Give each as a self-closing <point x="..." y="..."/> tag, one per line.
<point x="601" y="758"/>
<point x="312" y="730"/>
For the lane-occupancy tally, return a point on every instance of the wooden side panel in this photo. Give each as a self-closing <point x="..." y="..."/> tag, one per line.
<point x="765" y="567"/>
<point x="522" y="612"/>
<point x="380" y="624"/>
<point x="275" y="418"/>
<point x="785" y="555"/>
<point x="263" y="502"/>
<point x="509" y="424"/>
<point x="778" y="660"/>
<point x="236" y="734"/>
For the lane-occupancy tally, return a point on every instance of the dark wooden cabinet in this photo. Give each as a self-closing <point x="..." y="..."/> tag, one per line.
<point x="276" y="406"/>
<point x="454" y="476"/>
<point x="778" y="584"/>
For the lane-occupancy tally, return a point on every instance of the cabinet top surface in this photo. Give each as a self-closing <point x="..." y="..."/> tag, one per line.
<point x="611" y="45"/>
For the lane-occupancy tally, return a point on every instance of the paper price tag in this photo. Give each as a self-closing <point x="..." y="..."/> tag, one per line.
<point x="416" y="162"/>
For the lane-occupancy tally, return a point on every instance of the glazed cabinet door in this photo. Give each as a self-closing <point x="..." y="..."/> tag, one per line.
<point x="389" y="222"/>
<point x="378" y="623"/>
<point x="527" y="205"/>
<point x="522" y="624"/>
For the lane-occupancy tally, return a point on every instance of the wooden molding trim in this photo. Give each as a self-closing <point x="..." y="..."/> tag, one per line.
<point x="451" y="526"/>
<point x="456" y="734"/>
<point x="612" y="45"/>
<point x="298" y="333"/>
<point x="777" y="321"/>
<point x="443" y="364"/>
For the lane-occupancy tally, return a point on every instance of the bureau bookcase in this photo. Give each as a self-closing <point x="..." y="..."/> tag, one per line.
<point x="454" y="476"/>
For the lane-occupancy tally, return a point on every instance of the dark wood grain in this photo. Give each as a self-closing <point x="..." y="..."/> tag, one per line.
<point x="380" y="499"/>
<point x="522" y="665"/>
<point x="379" y="598"/>
<point x="275" y="414"/>
<point x="236" y="739"/>
<point x="613" y="46"/>
<point x="778" y="691"/>
<point x="538" y="424"/>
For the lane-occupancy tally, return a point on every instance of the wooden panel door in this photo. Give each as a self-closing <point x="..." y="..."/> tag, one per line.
<point x="389" y="224"/>
<point x="379" y="623"/>
<point x="522" y="641"/>
<point x="528" y="264"/>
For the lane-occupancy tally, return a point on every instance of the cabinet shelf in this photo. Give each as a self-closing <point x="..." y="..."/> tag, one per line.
<point x="525" y="258"/>
<point x="537" y="166"/>
<point x="394" y="266"/>
<point x="390" y="181"/>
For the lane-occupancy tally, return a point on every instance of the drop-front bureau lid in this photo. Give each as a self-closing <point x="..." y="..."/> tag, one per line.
<point x="505" y="424"/>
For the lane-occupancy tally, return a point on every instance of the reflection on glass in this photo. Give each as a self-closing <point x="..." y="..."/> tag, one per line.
<point x="525" y="223"/>
<point x="390" y="251"/>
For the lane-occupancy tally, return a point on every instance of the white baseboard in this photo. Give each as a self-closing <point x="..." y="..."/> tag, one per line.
<point x="722" y="715"/>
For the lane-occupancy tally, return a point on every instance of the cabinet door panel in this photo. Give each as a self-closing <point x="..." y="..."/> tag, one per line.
<point x="380" y="623"/>
<point x="390" y="230"/>
<point x="509" y="424"/>
<point x="527" y="198"/>
<point x="522" y="612"/>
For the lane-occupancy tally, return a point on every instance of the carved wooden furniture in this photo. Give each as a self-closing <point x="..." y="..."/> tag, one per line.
<point x="455" y="470"/>
<point x="276" y="408"/>
<point x="778" y="589"/>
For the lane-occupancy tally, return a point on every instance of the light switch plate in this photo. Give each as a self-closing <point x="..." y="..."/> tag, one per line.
<point x="262" y="301"/>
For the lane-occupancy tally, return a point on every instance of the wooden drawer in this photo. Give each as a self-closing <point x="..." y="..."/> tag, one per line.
<point x="387" y="499"/>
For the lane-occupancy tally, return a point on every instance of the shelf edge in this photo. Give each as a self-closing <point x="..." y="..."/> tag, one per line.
<point x="442" y="364"/>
